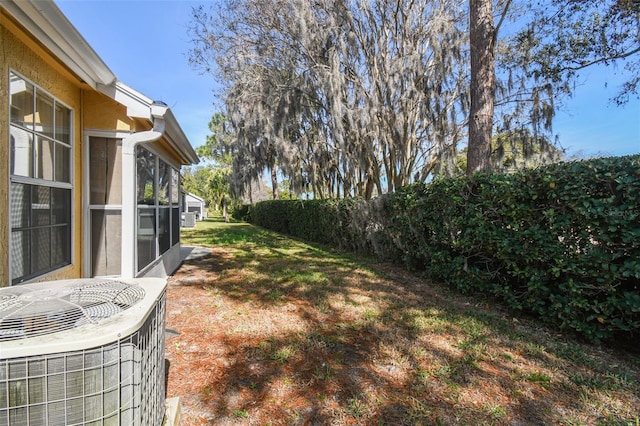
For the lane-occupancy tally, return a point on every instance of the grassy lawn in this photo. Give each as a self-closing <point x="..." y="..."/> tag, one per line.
<point x="277" y="331"/>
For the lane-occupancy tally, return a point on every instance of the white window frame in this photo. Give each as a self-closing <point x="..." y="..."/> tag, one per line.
<point x="18" y="179"/>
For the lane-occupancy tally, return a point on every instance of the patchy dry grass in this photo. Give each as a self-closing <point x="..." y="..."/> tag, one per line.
<point x="275" y="331"/>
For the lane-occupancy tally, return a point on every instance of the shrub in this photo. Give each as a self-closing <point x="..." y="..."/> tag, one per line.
<point x="561" y="242"/>
<point x="242" y="212"/>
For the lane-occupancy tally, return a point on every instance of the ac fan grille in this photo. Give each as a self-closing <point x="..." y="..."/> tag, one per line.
<point x="40" y="309"/>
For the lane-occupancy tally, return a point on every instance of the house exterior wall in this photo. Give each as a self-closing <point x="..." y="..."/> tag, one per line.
<point x="94" y="111"/>
<point x="24" y="56"/>
<point x="103" y="113"/>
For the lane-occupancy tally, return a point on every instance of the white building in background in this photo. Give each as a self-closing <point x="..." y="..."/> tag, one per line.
<point x="194" y="204"/>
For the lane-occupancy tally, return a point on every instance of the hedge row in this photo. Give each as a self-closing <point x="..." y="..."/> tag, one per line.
<point x="332" y="222"/>
<point x="561" y="242"/>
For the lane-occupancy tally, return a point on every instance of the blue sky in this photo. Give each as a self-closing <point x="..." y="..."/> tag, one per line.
<point x="146" y="44"/>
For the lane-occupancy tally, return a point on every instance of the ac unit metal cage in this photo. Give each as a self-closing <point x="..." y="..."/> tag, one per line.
<point x="83" y="352"/>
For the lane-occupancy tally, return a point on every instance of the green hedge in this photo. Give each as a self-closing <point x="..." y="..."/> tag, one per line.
<point x="561" y="242"/>
<point x="242" y="212"/>
<point x="339" y="223"/>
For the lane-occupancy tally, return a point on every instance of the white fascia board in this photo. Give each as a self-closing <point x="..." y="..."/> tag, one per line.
<point x="179" y="140"/>
<point x="44" y="20"/>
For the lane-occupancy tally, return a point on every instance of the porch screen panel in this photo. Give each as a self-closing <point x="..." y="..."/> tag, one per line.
<point x="175" y="226"/>
<point x="164" y="229"/>
<point x="175" y="187"/>
<point x="175" y="207"/>
<point x="106" y="246"/>
<point x="105" y="167"/>
<point x="158" y="207"/>
<point x="164" y="202"/>
<point x="145" y="174"/>
<point x="164" y="183"/>
<point x="146" y="236"/>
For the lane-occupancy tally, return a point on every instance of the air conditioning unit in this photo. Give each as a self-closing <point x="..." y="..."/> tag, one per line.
<point x="188" y="220"/>
<point x="83" y="352"/>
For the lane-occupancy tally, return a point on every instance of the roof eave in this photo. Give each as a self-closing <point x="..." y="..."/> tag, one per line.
<point x="45" y="21"/>
<point x="179" y="140"/>
<point x="49" y="25"/>
<point x="140" y="106"/>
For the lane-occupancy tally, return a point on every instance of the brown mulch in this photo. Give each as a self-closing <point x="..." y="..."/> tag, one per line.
<point x="288" y="357"/>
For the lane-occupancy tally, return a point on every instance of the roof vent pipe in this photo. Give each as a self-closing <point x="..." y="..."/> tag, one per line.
<point x="129" y="199"/>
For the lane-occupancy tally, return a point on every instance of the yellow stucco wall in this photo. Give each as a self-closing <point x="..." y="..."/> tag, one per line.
<point x="4" y="155"/>
<point x="21" y="55"/>
<point x="101" y="112"/>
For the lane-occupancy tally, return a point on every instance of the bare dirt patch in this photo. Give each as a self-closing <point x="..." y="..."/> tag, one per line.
<point x="287" y="335"/>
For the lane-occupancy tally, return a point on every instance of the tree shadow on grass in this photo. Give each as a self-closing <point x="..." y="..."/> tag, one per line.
<point x="308" y="336"/>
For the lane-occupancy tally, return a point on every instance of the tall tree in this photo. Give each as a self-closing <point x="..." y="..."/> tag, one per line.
<point x="342" y="97"/>
<point x="213" y="181"/>
<point x="564" y="37"/>
<point x="483" y="34"/>
<point x="220" y="143"/>
<point x="209" y="182"/>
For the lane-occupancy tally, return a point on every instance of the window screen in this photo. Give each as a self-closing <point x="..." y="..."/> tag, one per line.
<point x="158" y="224"/>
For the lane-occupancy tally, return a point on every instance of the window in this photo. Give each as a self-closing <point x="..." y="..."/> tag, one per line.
<point x="158" y="212"/>
<point x="40" y="181"/>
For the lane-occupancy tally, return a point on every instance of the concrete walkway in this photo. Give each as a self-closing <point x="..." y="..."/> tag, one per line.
<point x="194" y="252"/>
